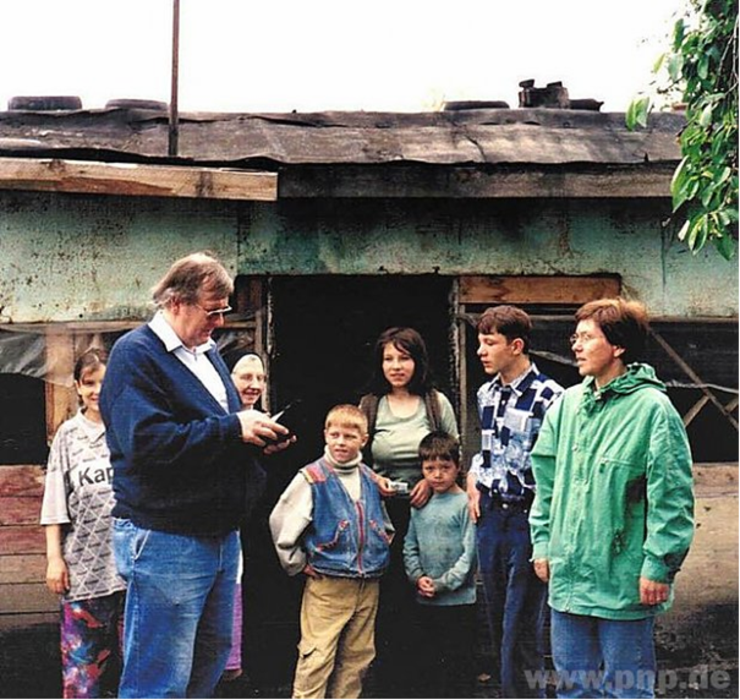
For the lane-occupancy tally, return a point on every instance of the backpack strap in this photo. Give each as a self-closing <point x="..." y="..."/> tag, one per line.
<point x="369" y="406"/>
<point x="434" y="409"/>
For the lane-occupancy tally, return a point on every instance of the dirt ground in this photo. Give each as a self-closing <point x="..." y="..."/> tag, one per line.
<point x="697" y="641"/>
<point x="698" y="638"/>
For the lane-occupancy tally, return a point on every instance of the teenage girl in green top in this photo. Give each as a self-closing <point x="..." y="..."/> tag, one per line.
<point x="402" y="407"/>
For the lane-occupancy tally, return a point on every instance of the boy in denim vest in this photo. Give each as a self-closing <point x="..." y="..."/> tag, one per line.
<point x="331" y="525"/>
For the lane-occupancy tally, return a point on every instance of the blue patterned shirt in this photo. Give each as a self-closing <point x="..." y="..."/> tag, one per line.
<point x="510" y="418"/>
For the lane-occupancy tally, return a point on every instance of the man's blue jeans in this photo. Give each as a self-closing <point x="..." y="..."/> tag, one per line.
<point x="514" y="596"/>
<point x="597" y="658"/>
<point x="178" y="615"/>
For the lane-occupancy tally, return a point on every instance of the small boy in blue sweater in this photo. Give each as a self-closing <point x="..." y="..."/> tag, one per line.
<point x="331" y="525"/>
<point x="440" y="559"/>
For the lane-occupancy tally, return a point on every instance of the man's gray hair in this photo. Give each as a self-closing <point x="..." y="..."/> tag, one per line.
<point x="188" y="277"/>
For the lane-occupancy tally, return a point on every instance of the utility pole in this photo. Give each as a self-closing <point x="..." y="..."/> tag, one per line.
<point x="174" y="115"/>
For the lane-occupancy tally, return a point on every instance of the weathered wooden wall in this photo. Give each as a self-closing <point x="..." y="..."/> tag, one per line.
<point x="24" y="598"/>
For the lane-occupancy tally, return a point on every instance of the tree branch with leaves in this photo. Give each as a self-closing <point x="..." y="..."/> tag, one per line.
<point x="702" y="68"/>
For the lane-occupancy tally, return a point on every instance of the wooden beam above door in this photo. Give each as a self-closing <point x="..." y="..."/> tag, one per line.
<point x="480" y="289"/>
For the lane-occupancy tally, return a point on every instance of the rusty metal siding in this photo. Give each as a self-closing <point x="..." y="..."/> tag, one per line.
<point x="87" y="257"/>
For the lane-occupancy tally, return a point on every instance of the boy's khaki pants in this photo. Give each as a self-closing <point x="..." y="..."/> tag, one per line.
<point x="337" y="637"/>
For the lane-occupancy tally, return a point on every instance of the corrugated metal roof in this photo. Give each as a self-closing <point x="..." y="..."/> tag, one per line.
<point x="469" y="137"/>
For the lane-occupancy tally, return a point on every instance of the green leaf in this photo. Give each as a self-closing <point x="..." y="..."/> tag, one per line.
<point x="702" y="235"/>
<point x="716" y="97"/>
<point x="705" y="118"/>
<point x="637" y="113"/>
<point x="675" y="65"/>
<point x="702" y="68"/>
<point x="630" y="120"/>
<point x="692" y="187"/>
<point x="732" y="214"/>
<point x="693" y="233"/>
<point x="678" y="32"/>
<point x="678" y="184"/>
<point x="726" y="245"/>
<point x="726" y="172"/>
<point x="684" y="230"/>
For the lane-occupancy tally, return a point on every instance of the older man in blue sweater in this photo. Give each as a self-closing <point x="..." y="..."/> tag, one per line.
<point x="185" y="473"/>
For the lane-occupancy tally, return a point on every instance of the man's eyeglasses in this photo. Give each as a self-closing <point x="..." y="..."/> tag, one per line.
<point x="212" y="313"/>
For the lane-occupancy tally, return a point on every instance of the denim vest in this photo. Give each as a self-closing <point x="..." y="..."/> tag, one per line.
<point x="346" y="538"/>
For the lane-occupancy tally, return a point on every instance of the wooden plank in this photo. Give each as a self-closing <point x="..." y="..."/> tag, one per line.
<point x="25" y="621"/>
<point x="20" y="510"/>
<point x="22" y="539"/>
<point x="688" y="370"/>
<point x="694" y="411"/>
<point x="61" y="404"/>
<point x="21" y="480"/>
<point x="479" y="289"/>
<point x="22" y="568"/>
<point x="129" y="179"/>
<point x="61" y="398"/>
<point x="409" y="181"/>
<point x="715" y="479"/>
<point x="250" y="294"/>
<point x="27" y="598"/>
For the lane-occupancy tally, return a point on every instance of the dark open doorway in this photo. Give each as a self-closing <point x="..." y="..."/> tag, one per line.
<point x="324" y="329"/>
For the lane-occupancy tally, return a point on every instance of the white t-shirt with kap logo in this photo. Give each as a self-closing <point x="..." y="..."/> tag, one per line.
<point x="78" y="495"/>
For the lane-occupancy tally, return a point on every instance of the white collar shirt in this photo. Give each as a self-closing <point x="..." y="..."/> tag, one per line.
<point x="195" y="360"/>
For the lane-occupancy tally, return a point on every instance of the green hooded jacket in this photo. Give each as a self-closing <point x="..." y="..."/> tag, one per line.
<point x="614" y="495"/>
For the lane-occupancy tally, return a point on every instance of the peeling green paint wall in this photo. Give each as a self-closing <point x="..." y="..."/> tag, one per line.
<point x="523" y="237"/>
<point x="82" y="257"/>
<point x="73" y="257"/>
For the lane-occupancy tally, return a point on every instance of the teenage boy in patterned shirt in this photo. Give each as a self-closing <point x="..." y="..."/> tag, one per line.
<point x="501" y="488"/>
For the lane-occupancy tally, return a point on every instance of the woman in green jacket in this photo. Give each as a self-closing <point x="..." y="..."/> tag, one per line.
<point x="612" y="520"/>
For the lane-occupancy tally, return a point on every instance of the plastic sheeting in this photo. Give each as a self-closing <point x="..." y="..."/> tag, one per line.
<point x="23" y="348"/>
<point x="23" y="352"/>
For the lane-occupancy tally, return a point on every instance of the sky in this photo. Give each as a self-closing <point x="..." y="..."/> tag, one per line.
<point x="317" y="55"/>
